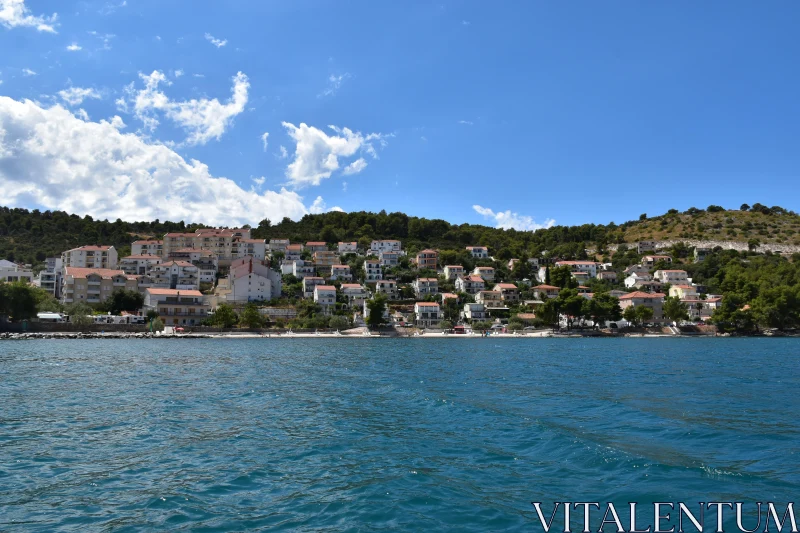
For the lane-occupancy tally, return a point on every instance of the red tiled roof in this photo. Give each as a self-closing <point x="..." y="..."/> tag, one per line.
<point x="316" y="243"/>
<point x="576" y="263"/>
<point x="180" y="235"/>
<point x="428" y="251"/>
<point x="640" y="294"/>
<point x="351" y="286"/>
<point x="671" y="271"/>
<point x="476" y="279"/>
<point x="454" y="266"/>
<point x="79" y="272"/>
<point x="546" y="287"/>
<point x="505" y="286"/>
<point x="324" y="287"/>
<point x="142" y="256"/>
<point x="173" y="292"/>
<point x="148" y="242"/>
<point x="427" y="304"/>
<point x="92" y="248"/>
<point x="427" y="279"/>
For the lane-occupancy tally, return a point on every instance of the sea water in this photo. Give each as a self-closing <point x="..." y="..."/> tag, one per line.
<point x="386" y="434"/>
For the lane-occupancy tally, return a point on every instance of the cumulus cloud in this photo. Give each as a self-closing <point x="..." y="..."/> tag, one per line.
<point x="284" y="152"/>
<point x="28" y="72"/>
<point x="178" y="73"/>
<point x="203" y="119"/>
<point x="76" y="95"/>
<point x="219" y="43"/>
<point x="51" y="159"/>
<point x="508" y="220"/>
<point x="14" y="14"/>
<point x="74" y="47"/>
<point x="317" y="154"/>
<point x="319" y="206"/>
<point x="259" y="181"/>
<point x="264" y="137"/>
<point x="466" y="122"/>
<point x="355" y="167"/>
<point x="334" y="82"/>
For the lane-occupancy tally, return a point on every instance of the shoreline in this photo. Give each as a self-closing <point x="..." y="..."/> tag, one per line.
<point x="328" y="336"/>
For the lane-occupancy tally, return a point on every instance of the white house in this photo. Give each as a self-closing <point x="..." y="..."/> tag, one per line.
<point x="425" y="286"/>
<point x="508" y="291"/>
<point x="278" y="245"/>
<point x="673" y="277"/>
<point x="348" y="248"/>
<point x="147" y="247"/>
<point x="309" y="283"/>
<point x="325" y="297"/>
<point x="453" y="271"/>
<point x="252" y="280"/>
<point x="372" y="270"/>
<point x="376" y="247"/>
<point x="390" y="258"/>
<point x="139" y="264"/>
<point x="12" y="272"/>
<point x="301" y="269"/>
<point x="341" y="273"/>
<point x="256" y="248"/>
<point x="637" y="277"/>
<point x="176" y="307"/>
<point x="474" y="311"/>
<point x="590" y="267"/>
<point x="292" y="252"/>
<point x="428" y="314"/>
<point x="478" y="252"/>
<point x="486" y="273"/>
<point x="387" y="287"/>
<point x="175" y="275"/>
<point x="355" y="293"/>
<point x="91" y="257"/>
<point x="470" y="284"/>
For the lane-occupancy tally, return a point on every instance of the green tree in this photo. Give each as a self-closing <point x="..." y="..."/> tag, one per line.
<point x="79" y="313"/>
<point x="550" y="311"/>
<point x="17" y="300"/>
<point x="224" y="316"/>
<point x="124" y="300"/>
<point x="603" y="308"/>
<point x="376" y="307"/>
<point x="674" y="309"/>
<point x="547" y="275"/>
<point x="446" y="324"/>
<point x="339" y="322"/>
<point x="631" y="315"/>
<point x="250" y="317"/>
<point x="562" y="278"/>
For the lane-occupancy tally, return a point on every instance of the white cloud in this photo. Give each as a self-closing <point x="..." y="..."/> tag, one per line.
<point x="334" y="82"/>
<point x="317" y="154"/>
<point x="74" y="47"/>
<point x="344" y="186"/>
<point x="284" y="152"/>
<point x="203" y="119"/>
<point x="466" y="122"/>
<point x="199" y="75"/>
<point x="51" y="159"/>
<point x="76" y="95"/>
<point x="219" y="43"/>
<point x="355" y="167"/>
<point x="264" y="137"/>
<point x="319" y="206"/>
<point x="105" y="37"/>
<point x="259" y="181"/>
<point x="508" y="220"/>
<point x="178" y="73"/>
<point x="28" y="72"/>
<point x="14" y="13"/>
<point x="465" y="23"/>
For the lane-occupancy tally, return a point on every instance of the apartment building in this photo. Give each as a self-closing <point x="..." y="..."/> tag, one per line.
<point x="178" y="275"/>
<point x="425" y="287"/>
<point x="309" y="282"/>
<point x="492" y="299"/>
<point x="427" y="314"/>
<point x="206" y="262"/>
<point x="650" y="260"/>
<point x="255" y="248"/>
<point x="50" y="279"/>
<point x="589" y="267"/>
<point x="673" y="277"/>
<point x="427" y="259"/>
<point x="316" y="246"/>
<point x="390" y="258"/>
<point x="12" y="272"/>
<point x="278" y="245"/>
<point x="94" y="285"/>
<point x="355" y="293"/>
<point x="341" y="273"/>
<point x="453" y="271"/>
<point x="325" y="297"/>
<point x="147" y="247"/>
<point x="325" y="258"/>
<point x="378" y="246"/>
<point x="545" y="291"/>
<point x="176" y="307"/>
<point x="478" y="252"/>
<point x="372" y="270"/>
<point x="301" y="269"/>
<point x="470" y="284"/>
<point x="139" y="265"/>
<point x="485" y="273"/>
<point x="293" y="252"/>
<point x="654" y="301"/>
<point x="252" y="280"/>
<point x="387" y="287"/>
<point x="90" y="257"/>
<point x="508" y="291"/>
<point x="223" y="243"/>
<point x="347" y="248"/>
<point x="474" y="311"/>
<point x="645" y="246"/>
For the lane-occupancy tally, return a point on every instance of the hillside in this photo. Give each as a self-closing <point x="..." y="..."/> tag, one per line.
<point x="31" y="236"/>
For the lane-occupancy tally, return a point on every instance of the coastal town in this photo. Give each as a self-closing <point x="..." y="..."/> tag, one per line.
<point x="223" y="277"/>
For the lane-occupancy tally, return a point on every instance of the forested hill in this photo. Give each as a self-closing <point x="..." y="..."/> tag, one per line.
<point x="31" y="236"/>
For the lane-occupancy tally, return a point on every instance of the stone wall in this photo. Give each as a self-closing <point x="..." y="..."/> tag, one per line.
<point x="725" y="245"/>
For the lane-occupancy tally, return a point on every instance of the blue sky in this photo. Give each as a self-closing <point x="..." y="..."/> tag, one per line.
<point x="513" y="114"/>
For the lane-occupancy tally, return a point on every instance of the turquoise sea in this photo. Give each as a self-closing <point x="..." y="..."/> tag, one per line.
<point x="386" y="434"/>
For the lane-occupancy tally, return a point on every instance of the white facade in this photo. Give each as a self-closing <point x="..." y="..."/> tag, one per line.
<point x="251" y="280"/>
<point x="348" y="248"/>
<point x="470" y="284"/>
<point x="91" y="257"/>
<point x="139" y="264"/>
<point x="590" y="267"/>
<point x="147" y="247"/>
<point x="372" y="270"/>
<point x="341" y="273"/>
<point x="278" y="245"/>
<point x="376" y="247"/>
<point x="637" y="277"/>
<point x="673" y="277"/>
<point x="427" y="314"/>
<point x="12" y="272"/>
<point x="325" y="296"/>
<point x="486" y="273"/>
<point x="309" y="282"/>
<point x="425" y="286"/>
<point x="256" y="248"/>
<point x="178" y="275"/>
<point x="387" y="287"/>
<point x="474" y="311"/>
<point x="478" y="252"/>
<point x="301" y="269"/>
<point x="390" y="258"/>
<point x="453" y="271"/>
